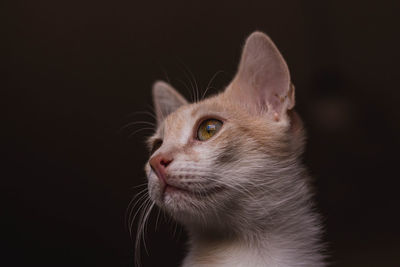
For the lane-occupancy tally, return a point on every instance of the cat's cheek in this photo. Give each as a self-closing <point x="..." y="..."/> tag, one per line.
<point x="155" y="189"/>
<point x="147" y="170"/>
<point x="201" y="153"/>
<point x="155" y="195"/>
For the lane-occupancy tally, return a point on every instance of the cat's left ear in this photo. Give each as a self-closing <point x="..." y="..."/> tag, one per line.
<point x="262" y="83"/>
<point x="166" y="100"/>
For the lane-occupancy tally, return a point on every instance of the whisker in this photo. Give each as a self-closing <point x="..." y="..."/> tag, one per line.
<point x="132" y="204"/>
<point x="210" y="82"/>
<point x="235" y="186"/>
<point x="187" y="89"/>
<point x="196" y="85"/>
<point x="176" y="225"/>
<point x="137" y="243"/>
<point x="142" y="229"/>
<point x="143" y="194"/>
<point x="158" y="216"/>
<point x="137" y="131"/>
<point x="191" y="78"/>
<point x="136" y="213"/>
<point x="151" y="114"/>
<point x="132" y="218"/>
<point x="140" y="185"/>
<point x="137" y="123"/>
<point x="139" y="232"/>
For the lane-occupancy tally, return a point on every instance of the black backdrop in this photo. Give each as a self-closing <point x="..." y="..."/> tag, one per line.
<point x="77" y="71"/>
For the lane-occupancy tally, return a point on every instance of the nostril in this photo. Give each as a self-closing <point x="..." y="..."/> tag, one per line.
<point x="160" y="162"/>
<point x="165" y="162"/>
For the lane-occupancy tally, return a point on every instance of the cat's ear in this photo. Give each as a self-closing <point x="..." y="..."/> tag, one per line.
<point x="166" y="100"/>
<point x="262" y="82"/>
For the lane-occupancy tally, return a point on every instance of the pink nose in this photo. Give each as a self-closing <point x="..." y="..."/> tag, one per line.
<point x="159" y="164"/>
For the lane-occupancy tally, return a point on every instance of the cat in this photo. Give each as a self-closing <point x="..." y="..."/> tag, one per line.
<point x="228" y="168"/>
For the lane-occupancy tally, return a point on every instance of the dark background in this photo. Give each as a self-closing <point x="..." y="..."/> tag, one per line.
<point x="77" y="71"/>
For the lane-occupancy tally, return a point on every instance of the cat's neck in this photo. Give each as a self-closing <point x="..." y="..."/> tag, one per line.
<point x="290" y="237"/>
<point x="283" y="247"/>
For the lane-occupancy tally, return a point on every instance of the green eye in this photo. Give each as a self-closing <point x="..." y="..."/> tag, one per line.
<point x="208" y="128"/>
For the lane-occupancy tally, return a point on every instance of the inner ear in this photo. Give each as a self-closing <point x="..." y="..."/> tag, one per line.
<point x="262" y="83"/>
<point x="166" y="100"/>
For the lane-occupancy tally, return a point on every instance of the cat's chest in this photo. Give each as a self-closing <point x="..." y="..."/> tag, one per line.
<point x="228" y="255"/>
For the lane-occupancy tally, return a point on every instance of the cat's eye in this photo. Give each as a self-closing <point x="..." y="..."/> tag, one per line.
<point x="208" y="129"/>
<point x="156" y="145"/>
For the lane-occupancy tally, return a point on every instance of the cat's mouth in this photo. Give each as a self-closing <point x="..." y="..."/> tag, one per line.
<point x="168" y="188"/>
<point x="171" y="189"/>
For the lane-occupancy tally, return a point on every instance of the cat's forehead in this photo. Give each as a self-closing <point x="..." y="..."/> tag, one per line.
<point x="177" y="121"/>
<point x="184" y="118"/>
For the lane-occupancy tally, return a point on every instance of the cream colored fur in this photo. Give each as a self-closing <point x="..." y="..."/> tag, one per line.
<point x="250" y="202"/>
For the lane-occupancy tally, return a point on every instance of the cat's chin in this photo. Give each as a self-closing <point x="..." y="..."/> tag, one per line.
<point x="173" y="195"/>
<point x="184" y="203"/>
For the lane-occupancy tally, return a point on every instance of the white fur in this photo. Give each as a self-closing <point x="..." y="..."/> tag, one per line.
<point x="249" y="200"/>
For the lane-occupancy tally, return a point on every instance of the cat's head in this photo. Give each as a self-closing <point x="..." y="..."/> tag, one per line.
<point x="221" y="159"/>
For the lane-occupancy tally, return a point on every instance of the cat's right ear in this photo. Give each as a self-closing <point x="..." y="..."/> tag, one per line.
<point x="262" y="83"/>
<point x="166" y="100"/>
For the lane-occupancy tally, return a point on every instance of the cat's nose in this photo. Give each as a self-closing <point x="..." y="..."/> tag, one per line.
<point x="159" y="164"/>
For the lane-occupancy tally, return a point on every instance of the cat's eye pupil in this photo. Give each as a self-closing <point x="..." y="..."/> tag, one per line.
<point x="208" y="128"/>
